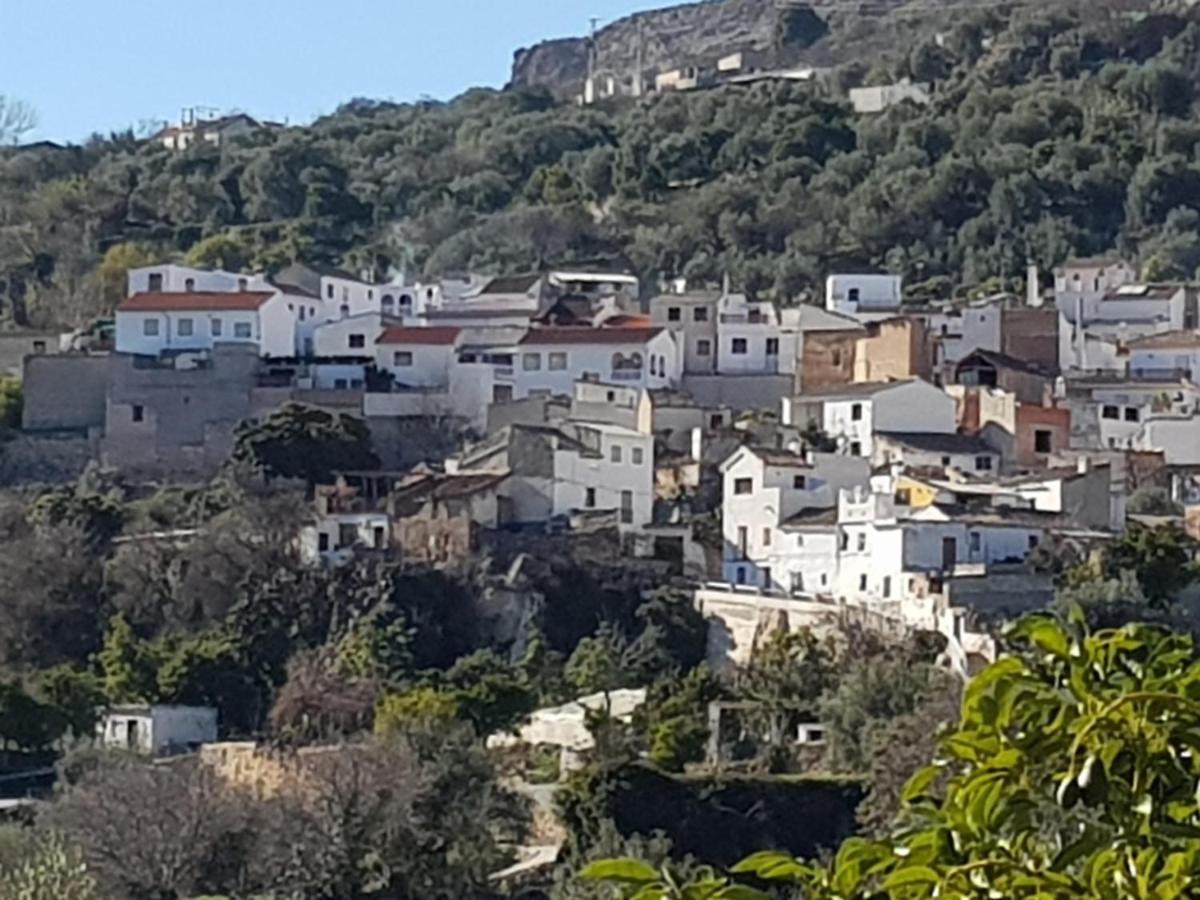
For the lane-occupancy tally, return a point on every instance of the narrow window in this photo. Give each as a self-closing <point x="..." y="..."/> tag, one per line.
<point x="637" y="456"/>
<point x="139" y="412"/>
<point x="215" y="326"/>
<point x="589" y="498"/>
<point x="323" y="542"/>
<point x="772" y="346"/>
<point x="766" y="537"/>
<point x="627" y="507"/>
<point x="743" y="546"/>
<point x="616" y="453"/>
<point x="856" y="412"/>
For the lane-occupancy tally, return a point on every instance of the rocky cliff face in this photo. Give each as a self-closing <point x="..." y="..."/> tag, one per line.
<point x="771" y="32"/>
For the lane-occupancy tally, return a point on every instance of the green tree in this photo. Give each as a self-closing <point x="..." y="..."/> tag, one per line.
<point x="225" y="251"/>
<point x="129" y="668"/>
<point x="423" y="707"/>
<point x="304" y="442"/>
<point x="52" y="870"/>
<point x="1160" y="557"/>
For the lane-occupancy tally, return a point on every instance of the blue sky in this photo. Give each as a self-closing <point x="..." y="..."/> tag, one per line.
<point x="91" y="65"/>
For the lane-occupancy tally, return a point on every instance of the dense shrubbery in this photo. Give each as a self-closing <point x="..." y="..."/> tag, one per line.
<point x="1051" y="133"/>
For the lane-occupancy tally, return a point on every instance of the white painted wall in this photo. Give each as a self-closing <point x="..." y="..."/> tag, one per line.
<point x="334" y="338"/>
<point x="608" y="476"/>
<point x="417" y="365"/>
<point x="177" y="279"/>
<point x="364" y="527"/>
<point x="235" y="326"/>
<point x="848" y="294"/>
<point x="554" y="368"/>
<point x="157" y="729"/>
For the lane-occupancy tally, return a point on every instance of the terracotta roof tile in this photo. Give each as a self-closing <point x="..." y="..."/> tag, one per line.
<point x="436" y="335"/>
<point x="560" y="336"/>
<point x="199" y="301"/>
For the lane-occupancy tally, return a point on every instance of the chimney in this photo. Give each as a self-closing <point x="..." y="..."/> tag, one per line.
<point x="787" y="413"/>
<point x="697" y="443"/>
<point x="1083" y="465"/>
<point x="1033" y="287"/>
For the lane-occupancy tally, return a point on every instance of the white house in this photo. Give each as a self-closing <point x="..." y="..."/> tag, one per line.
<point x="617" y="476"/>
<point x="418" y="356"/>
<point x="852" y="414"/>
<point x="861" y="296"/>
<point x="551" y="360"/>
<point x="187" y="279"/>
<point x="152" y="323"/>
<point x="353" y="336"/>
<point x="336" y="536"/>
<point x="877" y="98"/>
<point x="1170" y="355"/>
<point x="751" y="339"/>
<point x="778" y="505"/>
<point x="155" y="729"/>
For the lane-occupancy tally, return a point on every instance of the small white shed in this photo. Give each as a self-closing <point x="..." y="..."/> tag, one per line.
<point x="156" y="730"/>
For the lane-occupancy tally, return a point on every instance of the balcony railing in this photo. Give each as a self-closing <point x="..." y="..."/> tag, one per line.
<point x="627" y="375"/>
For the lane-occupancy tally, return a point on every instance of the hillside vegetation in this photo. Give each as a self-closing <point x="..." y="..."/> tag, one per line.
<point x="1050" y="134"/>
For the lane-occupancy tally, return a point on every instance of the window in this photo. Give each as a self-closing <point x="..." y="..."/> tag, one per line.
<point x="703" y="347"/>
<point x="983" y="464"/>
<point x="377" y="537"/>
<point x="1132" y="414"/>
<point x="799" y="540"/>
<point x="189" y="284"/>
<point x="904" y="496"/>
<point x="150" y="327"/>
<point x="1042" y="441"/>
<point x="138" y="412"/>
<point x="302" y="314"/>
<point x="887" y="585"/>
<point x="743" y="543"/>
<point x="558" y="362"/>
<point x="862" y="582"/>
<point x="329" y="291"/>
<point x="183" y="328"/>
<point x="344" y="311"/>
<point x="626" y="507"/>
<point x="241" y="329"/>
<point x="945" y="460"/>
<point x="155" y="282"/>
<point x="772" y="346"/>
<point x="358" y="341"/>
<point x="852" y="295"/>
<point x="214" y="326"/>
<point x="766" y="577"/>
<point x="738" y="346"/>
<point x="406" y="300"/>
<point x="388" y="301"/>
<point x="740" y="575"/>
<point x="323" y="542"/>
<point x="766" y="537"/>
<point x="673" y="313"/>
<point x="743" y="485"/>
<point x="976" y="542"/>
<point x="531" y="362"/>
<point x="615" y="453"/>
<point x="700" y="314"/>
<point x="402" y="358"/>
<point x="589" y="498"/>
<point x="862" y="542"/>
<point x="1111" y="412"/>
<point x="844" y="541"/>
<point x="856" y="412"/>
<point x="347" y="535"/>
<point x="638" y="456"/>
<point x="242" y="284"/>
<point x="611" y="396"/>
<point x="856" y="448"/>
<point x="1033" y="541"/>
<point x="39" y="346"/>
<point x="340" y="384"/>
<point x="837" y="356"/>
<point x="716" y="421"/>
<point x="370" y="294"/>
<point x="797" y="582"/>
<point x="799" y="483"/>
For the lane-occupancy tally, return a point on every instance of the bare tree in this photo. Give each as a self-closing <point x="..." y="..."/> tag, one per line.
<point x="16" y="119"/>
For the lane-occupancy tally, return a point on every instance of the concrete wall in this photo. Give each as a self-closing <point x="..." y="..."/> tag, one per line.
<point x="167" y="421"/>
<point x="15" y="347"/>
<point x="64" y="392"/>
<point x="741" y="393"/>
<point x="1031" y="335"/>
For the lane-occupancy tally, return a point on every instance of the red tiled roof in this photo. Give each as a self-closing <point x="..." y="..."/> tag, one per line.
<point x="627" y="321"/>
<point x="557" y="336"/>
<point x="436" y="334"/>
<point x="199" y="301"/>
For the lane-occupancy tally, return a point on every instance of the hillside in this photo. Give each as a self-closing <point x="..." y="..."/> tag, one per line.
<point x="1051" y="134"/>
<point x="772" y="33"/>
